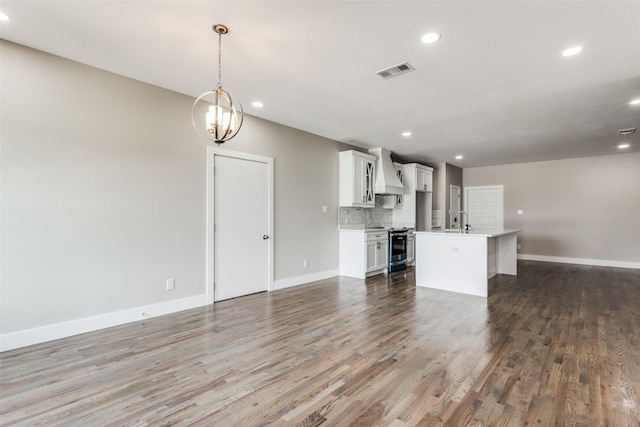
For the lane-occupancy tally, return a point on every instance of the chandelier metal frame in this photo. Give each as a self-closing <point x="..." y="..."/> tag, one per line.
<point x="225" y="115"/>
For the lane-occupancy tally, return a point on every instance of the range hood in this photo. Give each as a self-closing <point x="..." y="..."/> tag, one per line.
<point x="387" y="181"/>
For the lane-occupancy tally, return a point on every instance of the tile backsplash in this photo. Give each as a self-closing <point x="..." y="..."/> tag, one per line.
<point x="366" y="217"/>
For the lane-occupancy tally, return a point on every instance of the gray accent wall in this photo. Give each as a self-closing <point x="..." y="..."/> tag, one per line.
<point x="444" y="176"/>
<point x="454" y="176"/>
<point x="104" y="192"/>
<point x="583" y="209"/>
<point x="439" y="182"/>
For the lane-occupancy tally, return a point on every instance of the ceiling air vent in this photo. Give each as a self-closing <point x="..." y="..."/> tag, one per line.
<point x="628" y="131"/>
<point x="395" y="71"/>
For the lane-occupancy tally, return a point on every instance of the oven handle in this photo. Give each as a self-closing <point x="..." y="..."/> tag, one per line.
<point x="398" y="234"/>
<point x="404" y="261"/>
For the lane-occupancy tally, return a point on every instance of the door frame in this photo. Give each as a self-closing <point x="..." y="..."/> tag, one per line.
<point x="212" y="152"/>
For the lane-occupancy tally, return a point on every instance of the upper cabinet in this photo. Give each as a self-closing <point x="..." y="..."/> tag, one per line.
<point x="417" y="206"/>
<point x="418" y="177"/>
<point x="424" y="178"/>
<point x="357" y="178"/>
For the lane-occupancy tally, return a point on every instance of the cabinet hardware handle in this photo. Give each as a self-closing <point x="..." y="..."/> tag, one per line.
<point x="265" y="237"/>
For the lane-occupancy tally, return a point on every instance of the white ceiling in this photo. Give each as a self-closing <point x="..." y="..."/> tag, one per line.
<point x="495" y="88"/>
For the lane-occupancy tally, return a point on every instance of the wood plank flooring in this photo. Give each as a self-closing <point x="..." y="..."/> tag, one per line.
<point x="556" y="345"/>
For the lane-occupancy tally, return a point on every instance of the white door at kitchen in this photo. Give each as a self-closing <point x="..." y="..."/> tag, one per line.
<point x="484" y="207"/>
<point x="240" y="224"/>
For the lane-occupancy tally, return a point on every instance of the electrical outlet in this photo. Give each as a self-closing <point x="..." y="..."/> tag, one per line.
<point x="305" y="263"/>
<point x="520" y="212"/>
<point x="519" y="246"/>
<point x="325" y="209"/>
<point x="171" y="284"/>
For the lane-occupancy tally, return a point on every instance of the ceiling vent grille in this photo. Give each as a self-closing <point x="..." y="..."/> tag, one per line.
<point x="395" y="71"/>
<point x="628" y="131"/>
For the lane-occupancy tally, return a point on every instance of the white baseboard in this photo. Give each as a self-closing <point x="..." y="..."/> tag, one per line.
<point x="301" y="280"/>
<point x="42" y="334"/>
<point x="581" y="261"/>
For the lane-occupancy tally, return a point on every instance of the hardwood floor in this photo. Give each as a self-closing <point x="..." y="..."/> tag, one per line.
<point x="558" y="345"/>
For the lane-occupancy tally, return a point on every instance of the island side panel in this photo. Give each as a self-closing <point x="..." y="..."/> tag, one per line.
<point x="492" y="257"/>
<point x="507" y="254"/>
<point x="452" y="263"/>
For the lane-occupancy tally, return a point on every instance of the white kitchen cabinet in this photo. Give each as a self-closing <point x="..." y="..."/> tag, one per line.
<point x="376" y="252"/>
<point x="424" y="178"/>
<point x="357" y="178"/>
<point x="363" y="253"/>
<point x="417" y="177"/>
<point x="415" y="211"/>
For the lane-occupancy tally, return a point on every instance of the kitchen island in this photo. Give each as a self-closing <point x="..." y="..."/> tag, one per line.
<point x="464" y="262"/>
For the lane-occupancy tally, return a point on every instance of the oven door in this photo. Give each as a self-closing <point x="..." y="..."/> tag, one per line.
<point x="397" y="247"/>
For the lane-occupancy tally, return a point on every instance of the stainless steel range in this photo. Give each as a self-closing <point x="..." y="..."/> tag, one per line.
<point x="398" y="249"/>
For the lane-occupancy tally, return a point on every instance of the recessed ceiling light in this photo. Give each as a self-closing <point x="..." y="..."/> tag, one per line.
<point x="572" y="51"/>
<point x="459" y="157"/>
<point x="257" y="104"/>
<point x="430" y="38"/>
<point x="635" y="102"/>
<point x="406" y="133"/>
<point x="624" y="146"/>
<point x="3" y="17"/>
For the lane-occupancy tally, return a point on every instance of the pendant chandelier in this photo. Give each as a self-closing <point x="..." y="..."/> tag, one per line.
<point x="224" y="115"/>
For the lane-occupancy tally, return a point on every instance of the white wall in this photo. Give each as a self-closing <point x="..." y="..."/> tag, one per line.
<point x="581" y="210"/>
<point x="104" y="187"/>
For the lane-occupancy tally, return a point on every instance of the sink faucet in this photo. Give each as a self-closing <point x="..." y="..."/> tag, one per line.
<point x="459" y="219"/>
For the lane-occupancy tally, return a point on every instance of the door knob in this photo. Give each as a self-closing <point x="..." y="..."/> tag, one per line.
<point x="265" y="237"/>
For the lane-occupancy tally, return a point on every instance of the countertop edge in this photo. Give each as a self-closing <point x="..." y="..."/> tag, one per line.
<point x="472" y="234"/>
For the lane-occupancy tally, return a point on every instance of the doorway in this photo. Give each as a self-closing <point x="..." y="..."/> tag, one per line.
<point x="239" y="224"/>
<point x="454" y="206"/>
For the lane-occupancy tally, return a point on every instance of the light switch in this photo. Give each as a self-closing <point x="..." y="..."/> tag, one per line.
<point x="520" y="212"/>
<point x="325" y="209"/>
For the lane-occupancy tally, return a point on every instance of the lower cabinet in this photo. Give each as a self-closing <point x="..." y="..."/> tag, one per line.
<point x="363" y="253"/>
<point x="376" y="254"/>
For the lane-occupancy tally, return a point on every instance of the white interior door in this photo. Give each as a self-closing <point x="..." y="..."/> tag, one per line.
<point x="484" y="207"/>
<point x="242" y="212"/>
<point x="454" y="206"/>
